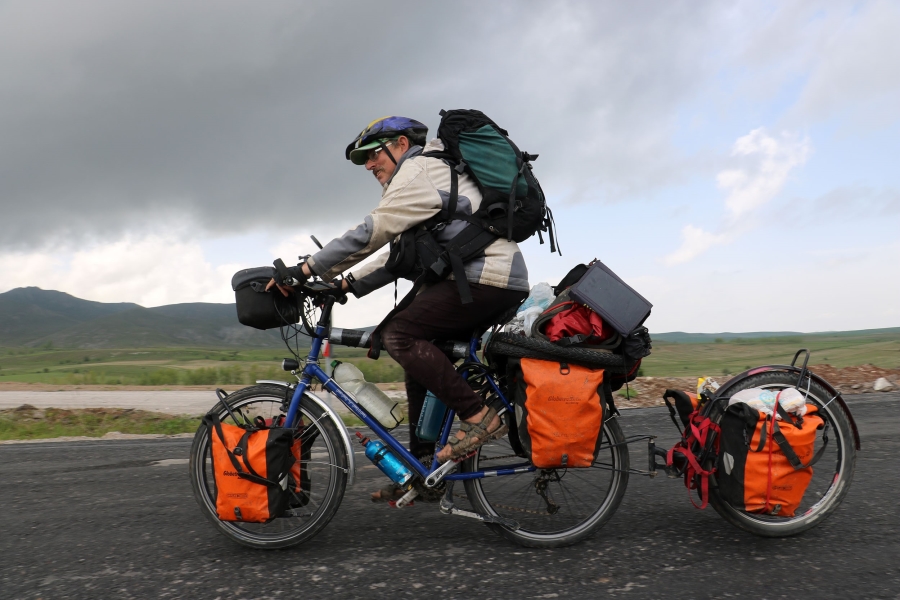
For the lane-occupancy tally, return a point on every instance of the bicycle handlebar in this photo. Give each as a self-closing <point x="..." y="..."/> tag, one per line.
<point x="360" y="338"/>
<point x="355" y="338"/>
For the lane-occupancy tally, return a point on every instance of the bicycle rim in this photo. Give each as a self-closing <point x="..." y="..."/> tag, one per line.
<point x="311" y="510"/>
<point x="555" y="507"/>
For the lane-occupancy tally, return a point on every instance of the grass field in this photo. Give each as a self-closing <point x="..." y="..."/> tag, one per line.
<point x="166" y="366"/>
<point x="204" y="366"/>
<point x="26" y="423"/>
<point x="734" y="356"/>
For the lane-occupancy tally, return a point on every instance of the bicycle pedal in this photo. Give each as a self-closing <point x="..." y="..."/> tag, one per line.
<point x="406" y="500"/>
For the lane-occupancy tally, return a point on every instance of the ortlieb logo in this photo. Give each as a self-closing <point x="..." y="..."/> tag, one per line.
<point x="235" y="495"/>
<point x="569" y="399"/>
<point x="785" y="488"/>
<point x="230" y="473"/>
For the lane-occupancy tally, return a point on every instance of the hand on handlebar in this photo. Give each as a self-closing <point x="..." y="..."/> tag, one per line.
<point x="300" y="274"/>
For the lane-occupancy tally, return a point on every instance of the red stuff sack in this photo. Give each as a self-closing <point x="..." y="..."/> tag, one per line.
<point x="568" y="323"/>
<point x="252" y="468"/>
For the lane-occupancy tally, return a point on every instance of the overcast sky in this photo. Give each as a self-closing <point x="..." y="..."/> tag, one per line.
<point x="736" y="162"/>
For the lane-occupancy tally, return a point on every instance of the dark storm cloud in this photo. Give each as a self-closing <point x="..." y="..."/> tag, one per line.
<point x="234" y="115"/>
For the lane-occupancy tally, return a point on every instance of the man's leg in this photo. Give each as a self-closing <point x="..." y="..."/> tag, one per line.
<point x="438" y="313"/>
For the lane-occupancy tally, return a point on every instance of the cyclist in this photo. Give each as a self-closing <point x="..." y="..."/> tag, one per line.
<point x="414" y="189"/>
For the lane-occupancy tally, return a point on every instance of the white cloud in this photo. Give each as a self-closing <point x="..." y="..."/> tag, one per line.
<point x="854" y="68"/>
<point x="155" y="270"/>
<point x="694" y="242"/>
<point x="772" y="160"/>
<point x="767" y="162"/>
<point x="152" y="270"/>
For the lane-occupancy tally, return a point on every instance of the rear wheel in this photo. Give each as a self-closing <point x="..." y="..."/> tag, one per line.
<point x="831" y="474"/>
<point x="326" y="467"/>
<point x="553" y="507"/>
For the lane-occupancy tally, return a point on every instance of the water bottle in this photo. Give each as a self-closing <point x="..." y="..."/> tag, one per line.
<point x="431" y="419"/>
<point x="366" y="394"/>
<point x="389" y="464"/>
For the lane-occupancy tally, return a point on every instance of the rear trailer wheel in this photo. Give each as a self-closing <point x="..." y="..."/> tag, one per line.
<point x="831" y="474"/>
<point x="553" y="507"/>
<point x="326" y="467"/>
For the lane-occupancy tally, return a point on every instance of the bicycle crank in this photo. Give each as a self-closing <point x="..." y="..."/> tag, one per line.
<point x="449" y="508"/>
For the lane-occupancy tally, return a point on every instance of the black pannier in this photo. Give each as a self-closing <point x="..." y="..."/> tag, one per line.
<point x="258" y="308"/>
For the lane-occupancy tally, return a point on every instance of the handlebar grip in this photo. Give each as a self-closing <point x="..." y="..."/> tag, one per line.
<point x="356" y="338"/>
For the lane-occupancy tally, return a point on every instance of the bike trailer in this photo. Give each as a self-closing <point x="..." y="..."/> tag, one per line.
<point x="559" y="411"/>
<point x="253" y="470"/>
<point x="765" y="464"/>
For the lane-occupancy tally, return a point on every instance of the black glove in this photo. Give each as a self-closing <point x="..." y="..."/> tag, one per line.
<point x="339" y="294"/>
<point x="290" y="276"/>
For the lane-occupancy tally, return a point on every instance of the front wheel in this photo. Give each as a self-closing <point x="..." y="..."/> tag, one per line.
<point x="831" y="474"/>
<point x="553" y="507"/>
<point x="326" y="468"/>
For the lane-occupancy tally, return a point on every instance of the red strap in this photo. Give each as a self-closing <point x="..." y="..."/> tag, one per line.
<point x="695" y="477"/>
<point x="771" y="449"/>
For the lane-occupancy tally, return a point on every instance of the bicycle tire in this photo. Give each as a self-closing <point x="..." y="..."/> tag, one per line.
<point x="827" y="489"/>
<point x="328" y="477"/>
<point x="515" y="496"/>
<point x="524" y="347"/>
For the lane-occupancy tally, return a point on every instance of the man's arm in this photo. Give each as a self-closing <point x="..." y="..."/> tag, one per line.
<point x="410" y="199"/>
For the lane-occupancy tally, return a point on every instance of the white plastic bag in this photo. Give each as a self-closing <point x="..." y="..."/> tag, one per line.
<point x="539" y="300"/>
<point x="764" y="400"/>
<point x="529" y="316"/>
<point x="541" y="295"/>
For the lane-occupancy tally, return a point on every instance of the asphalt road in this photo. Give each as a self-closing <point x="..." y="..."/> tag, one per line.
<point x="117" y="519"/>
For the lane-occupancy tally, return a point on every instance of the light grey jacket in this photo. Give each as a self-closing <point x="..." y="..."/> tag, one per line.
<point x="418" y="190"/>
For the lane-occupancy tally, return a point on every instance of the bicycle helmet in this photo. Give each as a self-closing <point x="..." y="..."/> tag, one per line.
<point x="380" y="131"/>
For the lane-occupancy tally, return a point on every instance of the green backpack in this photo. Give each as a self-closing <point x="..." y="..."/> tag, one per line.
<point x="513" y="205"/>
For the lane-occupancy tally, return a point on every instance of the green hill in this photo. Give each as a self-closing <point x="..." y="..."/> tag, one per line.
<point x="34" y="317"/>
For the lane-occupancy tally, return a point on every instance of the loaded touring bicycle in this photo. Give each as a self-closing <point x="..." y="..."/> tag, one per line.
<point x="498" y="484"/>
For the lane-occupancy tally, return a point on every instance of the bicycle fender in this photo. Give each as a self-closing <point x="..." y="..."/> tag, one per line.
<point x="836" y="395"/>
<point x="339" y="423"/>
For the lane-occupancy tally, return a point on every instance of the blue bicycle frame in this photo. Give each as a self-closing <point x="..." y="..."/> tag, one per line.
<point x="312" y="370"/>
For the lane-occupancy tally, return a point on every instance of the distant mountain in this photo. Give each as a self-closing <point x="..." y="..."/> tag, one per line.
<point x="34" y="317"/>
<point x="680" y="337"/>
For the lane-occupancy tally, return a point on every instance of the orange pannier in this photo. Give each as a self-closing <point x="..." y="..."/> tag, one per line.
<point x="252" y="468"/>
<point x="764" y="464"/>
<point x="561" y="416"/>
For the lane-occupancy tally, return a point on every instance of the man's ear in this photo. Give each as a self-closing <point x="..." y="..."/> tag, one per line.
<point x="403" y="144"/>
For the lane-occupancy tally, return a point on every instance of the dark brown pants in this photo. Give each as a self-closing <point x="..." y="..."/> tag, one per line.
<point x="439" y="314"/>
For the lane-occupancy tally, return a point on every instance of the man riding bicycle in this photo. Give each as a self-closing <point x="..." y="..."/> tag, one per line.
<point x="415" y="188"/>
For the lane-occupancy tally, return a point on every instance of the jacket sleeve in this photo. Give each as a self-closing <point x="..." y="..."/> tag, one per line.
<point x="371" y="277"/>
<point x="409" y="199"/>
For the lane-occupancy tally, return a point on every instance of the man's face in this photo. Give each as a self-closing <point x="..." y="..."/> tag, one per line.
<point x="380" y="164"/>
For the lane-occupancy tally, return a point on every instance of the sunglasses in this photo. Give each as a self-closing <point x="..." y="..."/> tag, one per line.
<point x="373" y="153"/>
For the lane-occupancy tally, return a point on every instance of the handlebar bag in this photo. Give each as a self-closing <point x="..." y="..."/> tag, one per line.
<point x="764" y="464"/>
<point x="258" y="308"/>
<point x="252" y="470"/>
<point x="559" y="413"/>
